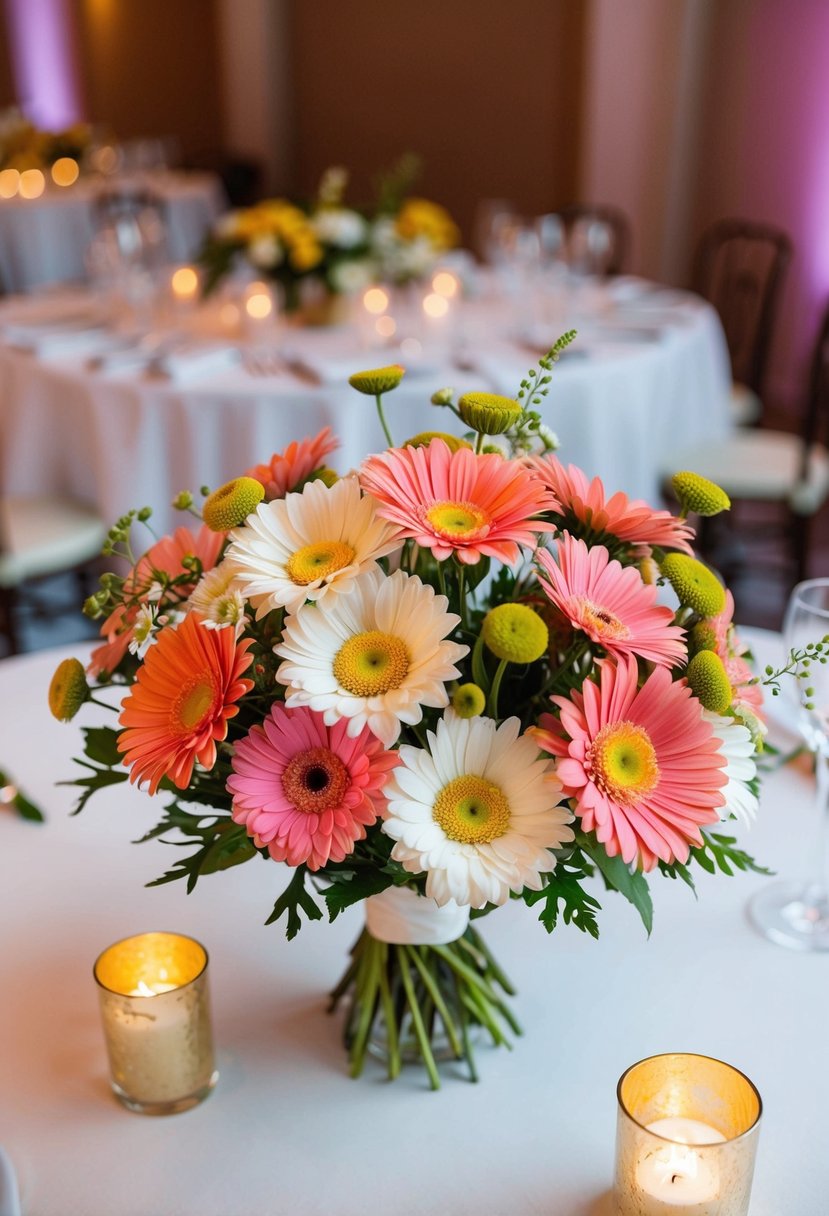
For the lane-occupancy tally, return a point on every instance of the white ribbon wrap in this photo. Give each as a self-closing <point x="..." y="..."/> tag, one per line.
<point x="402" y="917"/>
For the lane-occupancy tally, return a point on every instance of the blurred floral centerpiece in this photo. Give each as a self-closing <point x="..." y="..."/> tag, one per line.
<point x="327" y="248"/>
<point x="23" y="145"/>
<point x="459" y="676"/>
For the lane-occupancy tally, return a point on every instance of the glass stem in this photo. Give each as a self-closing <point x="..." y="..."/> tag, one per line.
<point x="819" y="885"/>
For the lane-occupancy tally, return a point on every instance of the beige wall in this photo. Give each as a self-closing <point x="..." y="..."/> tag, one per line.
<point x="487" y="93"/>
<point x="151" y="68"/>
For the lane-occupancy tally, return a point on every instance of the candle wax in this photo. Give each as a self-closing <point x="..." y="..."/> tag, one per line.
<point x="676" y="1177"/>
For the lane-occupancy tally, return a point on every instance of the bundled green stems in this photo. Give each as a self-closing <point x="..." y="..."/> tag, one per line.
<point x="405" y="994"/>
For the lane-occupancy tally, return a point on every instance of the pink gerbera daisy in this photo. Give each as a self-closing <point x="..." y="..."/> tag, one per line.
<point x="306" y="791"/>
<point x="643" y="765"/>
<point x="164" y="557"/>
<point x="458" y="502"/>
<point x="584" y="508"/>
<point x="287" y="469"/>
<point x="610" y="603"/>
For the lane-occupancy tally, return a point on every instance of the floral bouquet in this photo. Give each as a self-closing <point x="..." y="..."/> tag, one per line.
<point x="460" y="675"/>
<point x="24" y="146"/>
<point x="328" y="248"/>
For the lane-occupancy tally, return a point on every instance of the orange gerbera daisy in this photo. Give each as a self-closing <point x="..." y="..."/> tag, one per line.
<point x="287" y="469"/>
<point x="181" y="700"/>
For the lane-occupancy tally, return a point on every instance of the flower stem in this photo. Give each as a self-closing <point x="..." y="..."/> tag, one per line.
<point x="383" y="423"/>
<point x="417" y="1021"/>
<point x="496" y="688"/>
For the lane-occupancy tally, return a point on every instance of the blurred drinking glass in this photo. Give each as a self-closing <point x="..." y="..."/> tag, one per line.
<point x="791" y="913"/>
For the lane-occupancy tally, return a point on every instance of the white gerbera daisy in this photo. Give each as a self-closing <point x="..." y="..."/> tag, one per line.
<point x="737" y="746"/>
<point x="218" y="597"/>
<point x="374" y="656"/>
<point x="306" y="545"/>
<point x="477" y="812"/>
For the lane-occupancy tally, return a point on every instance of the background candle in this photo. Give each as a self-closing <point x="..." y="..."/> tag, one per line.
<point x="686" y="1138"/>
<point x="156" y="1019"/>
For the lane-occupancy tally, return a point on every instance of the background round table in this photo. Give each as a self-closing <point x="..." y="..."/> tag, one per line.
<point x="627" y="393"/>
<point x="44" y="240"/>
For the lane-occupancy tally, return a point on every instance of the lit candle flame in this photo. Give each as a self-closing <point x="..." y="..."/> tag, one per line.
<point x="375" y="300"/>
<point x="675" y="1163"/>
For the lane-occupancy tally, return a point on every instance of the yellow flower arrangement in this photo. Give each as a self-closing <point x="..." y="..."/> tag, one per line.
<point x="420" y="217"/>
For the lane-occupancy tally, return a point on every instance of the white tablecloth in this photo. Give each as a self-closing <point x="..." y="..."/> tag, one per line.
<point x="286" y="1132"/>
<point x="618" y="405"/>
<point x="44" y="240"/>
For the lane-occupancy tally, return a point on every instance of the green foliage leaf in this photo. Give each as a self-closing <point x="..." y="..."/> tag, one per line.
<point x="563" y="887"/>
<point x="720" y="853"/>
<point x="223" y="844"/>
<point x="16" y="798"/>
<point x="99" y="779"/>
<point x="101" y="745"/>
<point x="618" y="877"/>
<point x="347" y="889"/>
<point x="294" y="898"/>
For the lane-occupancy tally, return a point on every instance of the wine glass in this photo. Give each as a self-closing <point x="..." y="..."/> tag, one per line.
<point x="792" y="913"/>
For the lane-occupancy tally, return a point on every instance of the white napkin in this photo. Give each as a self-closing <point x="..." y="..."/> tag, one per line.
<point x="9" y="1195"/>
<point x="330" y="369"/>
<point x="195" y="361"/>
<point x="58" y="342"/>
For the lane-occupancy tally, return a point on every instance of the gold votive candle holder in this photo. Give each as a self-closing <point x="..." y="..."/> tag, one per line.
<point x="686" y="1138"/>
<point x="155" y="1010"/>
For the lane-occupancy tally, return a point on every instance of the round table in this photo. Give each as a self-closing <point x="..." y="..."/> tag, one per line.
<point x="286" y="1132"/>
<point x="628" y="392"/>
<point x="44" y="240"/>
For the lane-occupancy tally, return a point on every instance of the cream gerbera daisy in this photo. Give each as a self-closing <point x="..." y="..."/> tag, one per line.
<point x="218" y="597"/>
<point x="374" y="656"/>
<point x="306" y="545"/>
<point x="478" y="812"/>
<point x="737" y="746"/>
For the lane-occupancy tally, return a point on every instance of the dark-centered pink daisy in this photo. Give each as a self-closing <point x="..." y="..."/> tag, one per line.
<point x="306" y="791"/>
<point x="643" y="765"/>
<point x="459" y="502"/>
<point x="610" y="602"/>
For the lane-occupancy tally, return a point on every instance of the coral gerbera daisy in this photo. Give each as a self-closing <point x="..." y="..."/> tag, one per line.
<point x="584" y="508"/>
<point x="644" y="767"/>
<point x="375" y="656"/>
<point x="478" y="812"/>
<point x="610" y="602"/>
<point x="287" y="469"/>
<point x="178" y="708"/>
<point x="307" y="545"/>
<point x="458" y="502"/>
<point x="307" y="791"/>
<point x="163" y="558"/>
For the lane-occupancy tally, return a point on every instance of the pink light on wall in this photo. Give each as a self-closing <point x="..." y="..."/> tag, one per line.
<point x="43" y="61"/>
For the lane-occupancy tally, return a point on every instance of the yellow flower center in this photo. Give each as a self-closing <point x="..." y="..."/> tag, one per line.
<point x="597" y="619"/>
<point x="472" y="810"/>
<point x="371" y="663"/>
<point x="315" y="780"/>
<point x="622" y="762"/>
<point x="194" y="702"/>
<point x="458" y="520"/>
<point x="313" y="562"/>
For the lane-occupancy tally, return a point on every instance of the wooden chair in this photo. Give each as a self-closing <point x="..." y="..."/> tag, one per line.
<point x="40" y="538"/>
<point x="740" y="267"/>
<point x="615" y="220"/>
<point x="786" y="472"/>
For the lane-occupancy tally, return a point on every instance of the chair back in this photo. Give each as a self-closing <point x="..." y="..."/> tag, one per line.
<point x="739" y="268"/>
<point x="816" y="417"/>
<point x="577" y="218"/>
